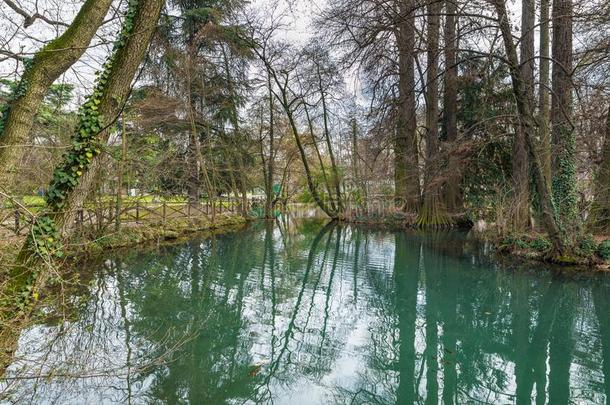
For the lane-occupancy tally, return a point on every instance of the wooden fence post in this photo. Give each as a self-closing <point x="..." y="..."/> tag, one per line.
<point x="164" y="213"/>
<point x="137" y="211"/>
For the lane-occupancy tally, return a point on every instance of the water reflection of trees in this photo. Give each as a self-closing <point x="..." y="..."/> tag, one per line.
<point x="304" y="312"/>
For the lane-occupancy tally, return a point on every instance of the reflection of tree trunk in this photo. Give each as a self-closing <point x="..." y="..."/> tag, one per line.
<point x="448" y="314"/>
<point x="329" y="289"/>
<point x="273" y="367"/>
<point x="431" y="265"/>
<point x="535" y="361"/>
<point x="601" y="297"/>
<point x="520" y="330"/>
<point x="406" y="276"/>
<point x="126" y="326"/>
<point x="561" y="347"/>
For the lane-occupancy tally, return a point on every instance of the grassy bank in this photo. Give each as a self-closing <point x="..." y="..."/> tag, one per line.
<point x="155" y="233"/>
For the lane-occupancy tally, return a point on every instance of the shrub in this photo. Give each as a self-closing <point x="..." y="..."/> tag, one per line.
<point x="603" y="250"/>
<point x="540" y="244"/>
<point x="587" y="246"/>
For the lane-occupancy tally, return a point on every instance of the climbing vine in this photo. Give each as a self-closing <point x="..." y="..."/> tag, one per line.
<point x="565" y="193"/>
<point x="19" y="92"/>
<point x="45" y="238"/>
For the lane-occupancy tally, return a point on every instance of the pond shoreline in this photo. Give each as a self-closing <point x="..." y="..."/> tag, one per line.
<point x="526" y="248"/>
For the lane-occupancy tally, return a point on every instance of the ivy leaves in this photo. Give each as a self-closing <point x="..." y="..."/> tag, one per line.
<point x="84" y="147"/>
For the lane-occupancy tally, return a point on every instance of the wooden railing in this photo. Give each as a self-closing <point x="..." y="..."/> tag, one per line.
<point x="17" y="220"/>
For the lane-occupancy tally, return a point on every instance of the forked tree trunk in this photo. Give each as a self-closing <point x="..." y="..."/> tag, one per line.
<point x="107" y="100"/>
<point x="46" y="66"/>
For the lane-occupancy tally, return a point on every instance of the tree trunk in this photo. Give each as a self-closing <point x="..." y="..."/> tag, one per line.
<point x="271" y="159"/>
<point x="453" y="199"/>
<point x="544" y="111"/>
<point x="521" y="204"/>
<point x="46" y="66"/>
<point x="564" y="143"/>
<point x="406" y="165"/>
<point x="526" y="117"/>
<point x="72" y="179"/>
<point x="432" y="212"/>
<point x="333" y="162"/>
<point x="600" y="211"/>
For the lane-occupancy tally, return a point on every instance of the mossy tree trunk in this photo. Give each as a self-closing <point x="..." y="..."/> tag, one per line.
<point x="47" y="65"/>
<point x="74" y="176"/>
<point x="565" y="193"/>
<point x="528" y="124"/>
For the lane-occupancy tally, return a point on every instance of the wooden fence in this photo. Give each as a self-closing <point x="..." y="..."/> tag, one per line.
<point x="98" y="216"/>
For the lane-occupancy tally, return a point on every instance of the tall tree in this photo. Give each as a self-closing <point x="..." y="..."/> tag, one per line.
<point x="450" y="102"/>
<point x="432" y="212"/>
<point x="564" y="142"/>
<point x="73" y="177"/>
<point x="406" y="156"/>
<point x="544" y="110"/>
<point x="17" y="116"/>
<point x="526" y="117"/>
<point x="520" y="161"/>
<point x="600" y="211"/>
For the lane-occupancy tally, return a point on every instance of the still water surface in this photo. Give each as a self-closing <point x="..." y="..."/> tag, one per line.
<point x="314" y="314"/>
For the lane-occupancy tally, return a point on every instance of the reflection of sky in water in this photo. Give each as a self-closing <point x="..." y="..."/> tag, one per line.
<point x="312" y="315"/>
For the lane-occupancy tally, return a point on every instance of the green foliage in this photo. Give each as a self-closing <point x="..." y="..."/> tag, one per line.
<point x="603" y="250"/>
<point x="484" y="113"/>
<point x="17" y="92"/>
<point x="587" y="246"/>
<point x="540" y="244"/>
<point x="523" y="242"/>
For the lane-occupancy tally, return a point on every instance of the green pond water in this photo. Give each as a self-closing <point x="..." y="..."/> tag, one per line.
<point x="302" y="313"/>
